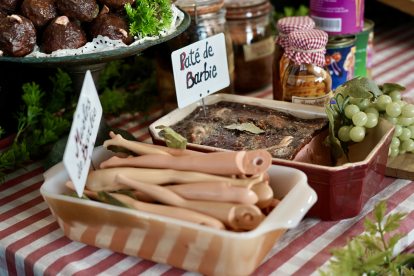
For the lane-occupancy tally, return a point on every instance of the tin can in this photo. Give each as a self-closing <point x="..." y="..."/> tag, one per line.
<point x="340" y="59"/>
<point x="338" y="17"/>
<point x="364" y="50"/>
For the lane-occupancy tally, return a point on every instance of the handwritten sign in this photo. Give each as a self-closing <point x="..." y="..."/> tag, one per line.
<point x="200" y="69"/>
<point x="82" y="136"/>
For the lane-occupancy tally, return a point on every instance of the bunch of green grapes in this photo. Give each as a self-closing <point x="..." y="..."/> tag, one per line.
<point x="358" y="115"/>
<point x="401" y="114"/>
<point x="362" y="114"/>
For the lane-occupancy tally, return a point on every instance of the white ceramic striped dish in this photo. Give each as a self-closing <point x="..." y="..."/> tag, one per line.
<point x="171" y="241"/>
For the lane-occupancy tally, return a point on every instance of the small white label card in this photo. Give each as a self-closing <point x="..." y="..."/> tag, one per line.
<point x="82" y="136"/>
<point x="200" y="69"/>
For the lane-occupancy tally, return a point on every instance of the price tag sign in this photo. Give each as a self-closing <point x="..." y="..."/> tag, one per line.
<point x="200" y="69"/>
<point x="82" y="136"/>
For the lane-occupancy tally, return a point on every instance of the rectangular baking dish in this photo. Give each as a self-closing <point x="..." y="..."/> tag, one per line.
<point x="342" y="190"/>
<point x="171" y="241"/>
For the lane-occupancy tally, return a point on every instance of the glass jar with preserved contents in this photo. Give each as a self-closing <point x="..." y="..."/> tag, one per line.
<point x="306" y="79"/>
<point x="208" y="20"/>
<point x="280" y="62"/>
<point x="253" y="44"/>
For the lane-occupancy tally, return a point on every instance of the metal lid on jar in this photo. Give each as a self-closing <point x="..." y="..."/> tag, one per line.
<point x="242" y="9"/>
<point x="307" y="46"/>
<point x="340" y="42"/>
<point x="202" y="6"/>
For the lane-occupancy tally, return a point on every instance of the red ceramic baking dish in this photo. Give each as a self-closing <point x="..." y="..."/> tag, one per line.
<point x="344" y="189"/>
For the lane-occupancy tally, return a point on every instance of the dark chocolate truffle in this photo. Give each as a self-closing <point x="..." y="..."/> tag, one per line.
<point x="2" y="14"/>
<point x="116" y="4"/>
<point x="9" y="5"/>
<point x="81" y="10"/>
<point x="63" y="34"/>
<point x="17" y="36"/>
<point x="40" y="12"/>
<point x="112" y="26"/>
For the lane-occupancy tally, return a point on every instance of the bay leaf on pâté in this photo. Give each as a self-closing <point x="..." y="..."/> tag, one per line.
<point x="246" y="127"/>
<point x="172" y="138"/>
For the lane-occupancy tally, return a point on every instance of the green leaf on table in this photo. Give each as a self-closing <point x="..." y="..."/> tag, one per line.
<point x="172" y="138"/>
<point x="246" y="127"/>
<point x="393" y="221"/>
<point x="388" y="87"/>
<point x="379" y="211"/>
<point x="108" y="198"/>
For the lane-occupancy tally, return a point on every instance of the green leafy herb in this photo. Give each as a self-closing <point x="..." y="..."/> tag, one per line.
<point x="246" y="127"/>
<point x="61" y="87"/>
<point x="173" y="139"/>
<point x="369" y="254"/>
<point x="112" y="101"/>
<point x="388" y="87"/>
<point x="149" y="17"/>
<point x="37" y="126"/>
<point x="361" y="87"/>
<point x="135" y="79"/>
<point x="288" y="12"/>
<point x="108" y="198"/>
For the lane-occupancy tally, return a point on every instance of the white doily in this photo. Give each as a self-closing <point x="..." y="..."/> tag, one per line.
<point x="103" y="43"/>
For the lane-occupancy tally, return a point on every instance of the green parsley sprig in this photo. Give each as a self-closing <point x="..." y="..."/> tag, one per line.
<point x="149" y="17"/>
<point x="37" y="124"/>
<point x="369" y="253"/>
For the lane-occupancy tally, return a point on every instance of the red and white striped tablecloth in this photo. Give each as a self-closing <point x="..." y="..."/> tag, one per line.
<point x="31" y="242"/>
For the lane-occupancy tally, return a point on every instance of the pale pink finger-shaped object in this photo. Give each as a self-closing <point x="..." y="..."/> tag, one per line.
<point x="236" y="216"/>
<point x="214" y="191"/>
<point x="168" y="211"/>
<point x="221" y="163"/>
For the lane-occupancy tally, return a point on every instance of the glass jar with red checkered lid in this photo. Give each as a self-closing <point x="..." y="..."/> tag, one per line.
<point x="285" y="26"/>
<point x="307" y="79"/>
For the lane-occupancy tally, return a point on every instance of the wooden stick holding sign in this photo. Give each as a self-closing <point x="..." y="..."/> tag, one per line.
<point x="199" y="68"/>
<point x="82" y="136"/>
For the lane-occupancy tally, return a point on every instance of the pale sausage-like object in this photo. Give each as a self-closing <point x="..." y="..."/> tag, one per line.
<point x="236" y="216"/>
<point x="105" y="179"/>
<point x="175" y="152"/>
<point x="264" y="193"/>
<point x="221" y="163"/>
<point x="171" y="151"/>
<point x="138" y="148"/>
<point x="168" y="211"/>
<point x="214" y="191"/>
